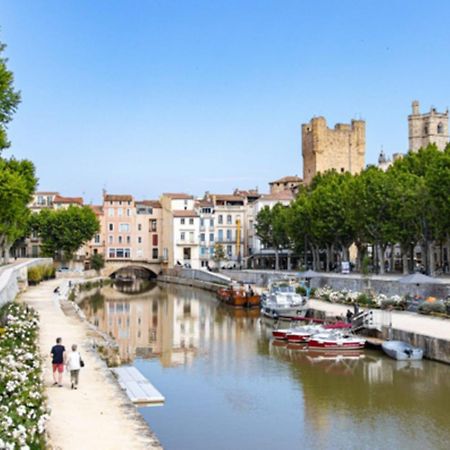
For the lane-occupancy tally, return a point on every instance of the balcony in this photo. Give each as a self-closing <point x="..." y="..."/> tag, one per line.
<point x="186" y="242"/>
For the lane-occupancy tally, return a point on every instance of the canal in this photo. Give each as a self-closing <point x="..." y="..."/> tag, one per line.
<point x="228" y="386"/>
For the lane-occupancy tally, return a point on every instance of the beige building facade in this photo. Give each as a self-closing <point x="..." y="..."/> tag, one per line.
<point x="342" y="148"/>
<point x="427" y="128"/>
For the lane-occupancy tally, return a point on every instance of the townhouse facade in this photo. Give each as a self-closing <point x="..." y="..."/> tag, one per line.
<point x="129" y="229"/>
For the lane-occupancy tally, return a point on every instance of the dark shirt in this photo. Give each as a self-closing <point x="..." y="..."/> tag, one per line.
<point x="57" y="351"/>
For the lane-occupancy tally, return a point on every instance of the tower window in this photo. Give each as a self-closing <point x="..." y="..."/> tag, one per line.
<point x="342" y="170"/>
<point x="440" y="128"/>
<point x="425" y="130"/>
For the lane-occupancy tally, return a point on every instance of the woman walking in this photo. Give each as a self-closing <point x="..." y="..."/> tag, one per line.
<point x="74" y="365"/>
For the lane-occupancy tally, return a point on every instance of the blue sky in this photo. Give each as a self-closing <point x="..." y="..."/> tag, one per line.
<point x="151" y="96"/>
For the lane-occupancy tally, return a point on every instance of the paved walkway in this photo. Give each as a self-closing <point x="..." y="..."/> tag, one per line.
<point x="401" y="320"/>
<point x="97" y="415"/>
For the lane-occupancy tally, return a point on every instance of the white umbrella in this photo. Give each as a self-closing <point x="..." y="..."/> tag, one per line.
<point x="309" y="274"/>
<point x="419" y="278"/>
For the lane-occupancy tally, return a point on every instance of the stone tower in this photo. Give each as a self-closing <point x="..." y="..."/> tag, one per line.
<point x="342" y="148"/>
<point x="427" y="128"/>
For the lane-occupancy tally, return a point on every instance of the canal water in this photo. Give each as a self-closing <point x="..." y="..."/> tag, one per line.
<point x="229" y="386"/>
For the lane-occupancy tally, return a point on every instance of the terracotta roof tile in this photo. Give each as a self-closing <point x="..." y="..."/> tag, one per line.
<point x="68" y="200"/>
<point x="288" y="179"/>
<point x="184" y="213"/>
<point x="118" y="198"/>
<point x="283" y="195"/>
<point x="178" y="196"/>
<point x="151" y="203"/>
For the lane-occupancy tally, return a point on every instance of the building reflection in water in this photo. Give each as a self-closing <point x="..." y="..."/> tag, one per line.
<point x="169" y="322"/>
<point x="366" y="384"/>
<point x="359" y="390"/>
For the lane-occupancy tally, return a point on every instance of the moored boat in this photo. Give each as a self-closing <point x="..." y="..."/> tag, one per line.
<point x="402" y="351"/>
<point x="335" y="340"/>
<point x="303" y="334"/>
<point x="238" y="297"/>
<point x="283" y="301"/>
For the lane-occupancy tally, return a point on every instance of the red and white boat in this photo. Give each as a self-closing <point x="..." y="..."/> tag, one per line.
<point x="282" y="333"/>
<point x="335" y="340"/>
<point x="303" y="334"/>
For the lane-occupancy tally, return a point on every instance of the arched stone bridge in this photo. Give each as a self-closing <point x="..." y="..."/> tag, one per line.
<point x="112" y="267"/>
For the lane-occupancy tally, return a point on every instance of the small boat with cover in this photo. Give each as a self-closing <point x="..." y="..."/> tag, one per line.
<point x="402" y="351"/>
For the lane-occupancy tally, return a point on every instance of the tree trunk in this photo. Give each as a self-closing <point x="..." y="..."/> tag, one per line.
<point x="288" y="261"/>
<point x="380" y="257"/>
<point x="314" y="257"/>
<point x="431" y="262"/>
<point x="345" y="256"/>
<point x="405" y="261"/>
<point x="277" y="260"/>
<point x="7" y="248"/>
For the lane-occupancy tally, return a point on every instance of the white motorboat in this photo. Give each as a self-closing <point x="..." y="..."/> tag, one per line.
<point x="335" y="340"/>
<point x="283" y="301"/>
<point x="303" y="334"/>
<point x="402" y="351"/>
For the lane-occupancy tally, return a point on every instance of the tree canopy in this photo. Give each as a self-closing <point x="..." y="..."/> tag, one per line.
<point x="17" y="184"/>
<point x="64" y="231"/>
<point x="9" y="99"/>
<point x="409" y="204"/>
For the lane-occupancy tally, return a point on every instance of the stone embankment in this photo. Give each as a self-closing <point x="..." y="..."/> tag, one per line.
<point x="197" y="278"/>
<point x="430" y="333"/>
<point x="13" y="277"/>
<point x="98" y="415"/>
<point x="384" y="284"/>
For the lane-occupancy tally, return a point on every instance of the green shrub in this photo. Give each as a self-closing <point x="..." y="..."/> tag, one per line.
<point x="435" y="307"/>
<point x="364" y="299"/>
<point x="34" y="275"/>
<point x="97" y="262"/>
<point x="300" y="290"/>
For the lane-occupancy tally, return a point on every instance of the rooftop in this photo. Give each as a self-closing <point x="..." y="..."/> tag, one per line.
<point x="282" y="195"/>
<point x="288" y="179"/>
<point x="151" y="203"/>
<point x="68" y="200"/>
<point x="177" y="195"/>
<point x="184" y="213"/>
<point x="117" y="198"/>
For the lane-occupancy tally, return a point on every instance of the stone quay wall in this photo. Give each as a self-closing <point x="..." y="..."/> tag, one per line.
<point x="387" y="285"/>
<point x="14" y="278"/>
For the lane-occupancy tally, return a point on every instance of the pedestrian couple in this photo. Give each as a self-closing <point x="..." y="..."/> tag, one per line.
<point x="73" y="363"/>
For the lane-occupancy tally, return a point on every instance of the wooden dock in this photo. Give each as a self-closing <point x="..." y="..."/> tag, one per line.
<point x="138" y="388"/>
<point x="373" y="342"/>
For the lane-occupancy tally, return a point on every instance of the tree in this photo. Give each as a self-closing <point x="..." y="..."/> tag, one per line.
<point x="272" y="229"/>
<point x="97" y="262"/>
<point x="329" y="203"/>
<point x="9" y="99"/>
<point x="17" y="184"/>
<point x="219" y="254"/>
<point x="372" y="210"/>
<point x="64" y="231"/>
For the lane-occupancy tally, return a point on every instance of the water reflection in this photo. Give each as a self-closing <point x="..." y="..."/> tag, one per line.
<point x="168" y="322"/>
<point x="192" y="348"/>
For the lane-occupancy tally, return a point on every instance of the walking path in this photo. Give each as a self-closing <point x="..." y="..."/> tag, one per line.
<point x="97" y="415"/>
<point x="406" y="321"/>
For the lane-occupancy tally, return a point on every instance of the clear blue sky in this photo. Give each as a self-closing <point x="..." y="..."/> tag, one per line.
<point x="149" y="96"/>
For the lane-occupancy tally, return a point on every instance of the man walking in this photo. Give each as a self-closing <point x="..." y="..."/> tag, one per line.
<point x="58" y="354"/>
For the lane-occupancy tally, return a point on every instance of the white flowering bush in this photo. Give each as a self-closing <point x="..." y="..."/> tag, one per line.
<point x="23" y="409"/>
<point x="347" y="296"/>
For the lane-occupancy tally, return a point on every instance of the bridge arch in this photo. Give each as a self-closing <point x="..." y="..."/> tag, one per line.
<point x="112" y="268"/>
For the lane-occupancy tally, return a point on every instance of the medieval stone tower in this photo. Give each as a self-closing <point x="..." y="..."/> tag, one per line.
<point x="427" y="128"/>
<point x="342" y="148"/>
